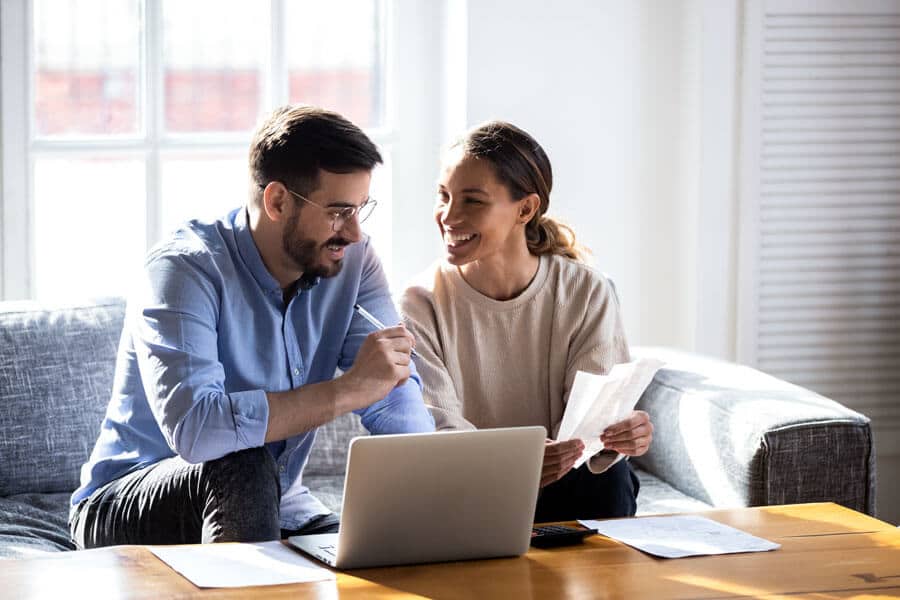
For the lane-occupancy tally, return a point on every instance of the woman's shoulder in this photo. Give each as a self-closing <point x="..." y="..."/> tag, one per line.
<point x="420" y="290"/>
<point x="577" y="279"/>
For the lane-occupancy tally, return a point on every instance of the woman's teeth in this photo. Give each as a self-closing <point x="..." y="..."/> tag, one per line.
<point x="455" y="239"/>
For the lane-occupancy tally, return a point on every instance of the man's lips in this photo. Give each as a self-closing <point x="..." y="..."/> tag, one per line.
<point x="335" y="243"/>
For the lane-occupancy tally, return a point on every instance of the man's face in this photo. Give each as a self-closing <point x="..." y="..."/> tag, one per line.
<point x="309" y="239"/>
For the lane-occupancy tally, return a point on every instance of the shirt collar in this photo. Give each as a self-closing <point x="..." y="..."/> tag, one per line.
<point x="252" y="258"/>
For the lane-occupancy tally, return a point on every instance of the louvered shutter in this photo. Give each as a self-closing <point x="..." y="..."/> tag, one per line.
<point x="819" y="273"/>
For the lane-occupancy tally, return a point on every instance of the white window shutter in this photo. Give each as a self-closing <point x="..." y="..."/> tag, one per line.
<point x="819" y="267"/>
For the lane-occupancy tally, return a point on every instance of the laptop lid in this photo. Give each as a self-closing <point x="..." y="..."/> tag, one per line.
<point x="418" y="498"/>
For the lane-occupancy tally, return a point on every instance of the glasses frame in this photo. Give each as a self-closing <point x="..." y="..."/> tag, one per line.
<point x="340" y="215"/>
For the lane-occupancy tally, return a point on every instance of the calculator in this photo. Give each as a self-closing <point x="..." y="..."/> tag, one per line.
<point x="549" y="536"/>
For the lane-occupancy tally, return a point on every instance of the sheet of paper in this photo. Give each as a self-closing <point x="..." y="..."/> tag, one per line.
<point x="598" y="401"/>
<point x="240" y="565"/>
<point x="681" y="535"/>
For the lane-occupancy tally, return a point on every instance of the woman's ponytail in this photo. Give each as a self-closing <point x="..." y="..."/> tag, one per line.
<point x="546" y="235"/>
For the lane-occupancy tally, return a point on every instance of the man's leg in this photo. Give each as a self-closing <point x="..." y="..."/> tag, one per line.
<point x="329" y="523"/>
<point x="581" y="494"/>
<point x="234" y="498"/>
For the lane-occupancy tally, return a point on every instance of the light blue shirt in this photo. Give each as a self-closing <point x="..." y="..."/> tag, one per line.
<point x="208" y="334"/>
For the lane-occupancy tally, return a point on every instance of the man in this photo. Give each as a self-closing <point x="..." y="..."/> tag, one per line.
<point x="228" y="351"/>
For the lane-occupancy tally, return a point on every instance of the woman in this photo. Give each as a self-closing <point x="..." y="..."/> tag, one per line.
<point x="511" y="314"/>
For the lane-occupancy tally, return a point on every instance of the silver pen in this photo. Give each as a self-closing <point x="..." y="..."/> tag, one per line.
<point x="371" y="319"/>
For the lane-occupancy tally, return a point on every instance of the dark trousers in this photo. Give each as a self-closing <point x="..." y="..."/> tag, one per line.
<point x="580" y="494"/>
<point x="232" y="499"/>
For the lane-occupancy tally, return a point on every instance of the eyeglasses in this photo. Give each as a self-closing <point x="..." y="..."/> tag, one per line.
<point x="340" y="216"/>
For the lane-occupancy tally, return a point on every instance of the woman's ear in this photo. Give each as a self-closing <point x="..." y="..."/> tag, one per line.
<point x="528" y="206"/>
<point x="275" y="201"/>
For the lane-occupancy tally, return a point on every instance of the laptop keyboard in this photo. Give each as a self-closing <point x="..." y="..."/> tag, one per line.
<point x="328" y="549"/>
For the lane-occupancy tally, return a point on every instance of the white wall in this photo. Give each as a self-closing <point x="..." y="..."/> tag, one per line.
<point x="612" y="91"/>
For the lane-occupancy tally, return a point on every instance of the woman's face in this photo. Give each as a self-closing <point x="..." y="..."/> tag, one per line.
<point x="475" y="213"/>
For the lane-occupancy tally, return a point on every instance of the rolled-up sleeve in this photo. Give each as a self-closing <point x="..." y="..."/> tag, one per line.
<point x="174" y="329"/>
<point x="403" y="409"/>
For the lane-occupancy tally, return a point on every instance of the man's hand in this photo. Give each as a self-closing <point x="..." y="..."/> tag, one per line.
<point x="381" y="364"/>
<point x="630" y="436"/>
<point x="559" y="458"/>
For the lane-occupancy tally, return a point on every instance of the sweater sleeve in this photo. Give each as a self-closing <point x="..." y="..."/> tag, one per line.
<point x="438" y="389"/>
<point x="599" y="345"/>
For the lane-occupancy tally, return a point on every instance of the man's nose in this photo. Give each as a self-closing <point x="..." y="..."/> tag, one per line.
<point x="351" y="230"/>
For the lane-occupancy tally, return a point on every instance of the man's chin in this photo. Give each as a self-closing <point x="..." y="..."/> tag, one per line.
<point x="325" y="271"/>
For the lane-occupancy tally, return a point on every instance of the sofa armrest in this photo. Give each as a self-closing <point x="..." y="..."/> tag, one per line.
<point x="730" y="435"/>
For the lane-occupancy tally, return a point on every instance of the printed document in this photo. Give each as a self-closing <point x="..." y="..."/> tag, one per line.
<point x="680" y="535"/>
<point x="240" y="565"/>
<point x="597" y="401"/>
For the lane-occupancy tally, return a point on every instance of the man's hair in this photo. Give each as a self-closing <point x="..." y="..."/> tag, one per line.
<point x="295" y="141"/>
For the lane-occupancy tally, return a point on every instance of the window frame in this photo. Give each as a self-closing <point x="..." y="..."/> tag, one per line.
<point x="20" y="148"/>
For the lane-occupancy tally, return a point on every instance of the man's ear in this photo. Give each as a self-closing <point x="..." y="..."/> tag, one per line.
<point x="276" y="201"/>
<point x="528" y="206"/>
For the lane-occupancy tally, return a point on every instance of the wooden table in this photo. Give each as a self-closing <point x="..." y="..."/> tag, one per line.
<point x="827" y="552"/>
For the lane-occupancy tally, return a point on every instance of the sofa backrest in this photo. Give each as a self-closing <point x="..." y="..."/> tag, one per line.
<point x="329" y="453"/>
<point x="56" y="374"/>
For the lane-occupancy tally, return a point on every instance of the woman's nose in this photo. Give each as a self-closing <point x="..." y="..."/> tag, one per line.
<point x="449" y="212"/>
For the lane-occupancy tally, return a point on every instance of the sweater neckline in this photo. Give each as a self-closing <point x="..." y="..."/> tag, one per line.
<point x="476" y="297"/>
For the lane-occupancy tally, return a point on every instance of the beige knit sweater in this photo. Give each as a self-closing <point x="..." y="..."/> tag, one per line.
<point x="489" y="363"/>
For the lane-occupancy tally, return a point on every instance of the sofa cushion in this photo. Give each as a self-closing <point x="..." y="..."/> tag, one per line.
<point x="56" y="372"/>
<point x="33" y="524"/>
<point x="658" y="497"/>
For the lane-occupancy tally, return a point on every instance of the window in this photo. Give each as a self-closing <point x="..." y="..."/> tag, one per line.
<point x="123" y="118"/>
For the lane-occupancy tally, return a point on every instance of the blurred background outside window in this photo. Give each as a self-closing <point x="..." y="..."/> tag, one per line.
<point x="141" y="112"/>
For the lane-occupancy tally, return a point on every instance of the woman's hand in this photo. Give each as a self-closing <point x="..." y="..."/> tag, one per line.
<point x="559" y="457"/>
<point x="630" y="436"/>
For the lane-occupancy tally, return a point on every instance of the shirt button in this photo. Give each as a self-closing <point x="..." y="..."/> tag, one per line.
<point x="281" y="469"/>
<point x="296" y="371"/>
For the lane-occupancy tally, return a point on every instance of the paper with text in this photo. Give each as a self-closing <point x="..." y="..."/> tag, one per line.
<point x="240" y="565"/>
<point x="598" y="401"/>
<point x="680" y="535"/>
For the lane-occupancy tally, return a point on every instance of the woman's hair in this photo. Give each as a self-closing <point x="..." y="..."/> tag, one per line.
<point x="522" y="166"/>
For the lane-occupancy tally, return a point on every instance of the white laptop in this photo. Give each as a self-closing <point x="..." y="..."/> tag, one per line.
<point x="419" y="498"/>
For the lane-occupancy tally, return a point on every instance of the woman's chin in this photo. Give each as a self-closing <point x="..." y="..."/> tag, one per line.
<point x="455" y="257"/>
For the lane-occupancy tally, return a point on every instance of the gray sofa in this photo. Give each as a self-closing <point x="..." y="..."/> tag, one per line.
<point x="725" y="435"/>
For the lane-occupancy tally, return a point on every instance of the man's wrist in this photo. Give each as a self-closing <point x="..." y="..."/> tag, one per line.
<point x="347" y="394"/>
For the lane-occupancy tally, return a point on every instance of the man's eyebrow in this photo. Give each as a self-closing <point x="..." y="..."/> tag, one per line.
<point x="474" y="191"/>
<point x="342" y="204"/>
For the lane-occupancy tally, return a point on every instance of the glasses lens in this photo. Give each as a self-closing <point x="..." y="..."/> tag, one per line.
<point x="365" y="211"/>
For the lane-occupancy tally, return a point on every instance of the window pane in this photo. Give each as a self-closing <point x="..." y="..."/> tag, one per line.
<point x="201" y="187"/>
<point x="214" y="52"/>
<point x="378" y="225"/>
<point x="89" y="226"/>
<point x="86" y="65"/>
<point x="334" y="56"/>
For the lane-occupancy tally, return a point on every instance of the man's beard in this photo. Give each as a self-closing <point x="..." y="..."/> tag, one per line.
<point x="305" y="252"/>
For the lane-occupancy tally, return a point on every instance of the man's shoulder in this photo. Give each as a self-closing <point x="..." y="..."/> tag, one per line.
<point x="194" y="240"/>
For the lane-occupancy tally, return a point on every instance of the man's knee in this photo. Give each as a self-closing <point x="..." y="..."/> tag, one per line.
<point x="243" y="497"/>
<point x="250" y="472"/>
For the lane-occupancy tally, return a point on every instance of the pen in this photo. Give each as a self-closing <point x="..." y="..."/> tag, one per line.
<point x="371" y="319"/>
